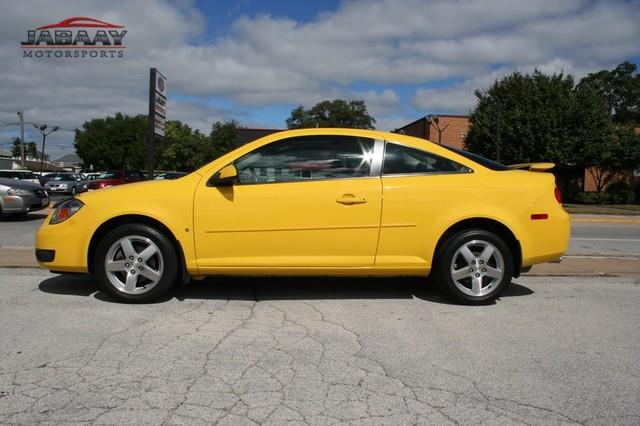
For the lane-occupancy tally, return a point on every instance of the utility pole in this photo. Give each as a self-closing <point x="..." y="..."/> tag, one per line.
<point x="21" y="115"/>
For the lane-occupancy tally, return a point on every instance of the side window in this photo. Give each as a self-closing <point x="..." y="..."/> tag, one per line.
<point x="399" y="159"/>
<point x="307" y="158"/>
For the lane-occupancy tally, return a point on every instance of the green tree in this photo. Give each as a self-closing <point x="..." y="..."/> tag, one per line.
<point x="222" y="135"/>
<point x="622" y="152"/>
<point x="336" y="113"/>
<point x="621" y="88"/>
<point x="117" y="142"/>
<point x="30" y="149"/>
<point x="539" y="117"/>
<point x="184" y="149"/>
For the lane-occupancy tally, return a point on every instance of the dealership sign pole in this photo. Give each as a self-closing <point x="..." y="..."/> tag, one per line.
<point x="157" y="112"/>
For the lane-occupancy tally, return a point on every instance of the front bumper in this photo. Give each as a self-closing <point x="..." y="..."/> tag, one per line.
<point x="68" y="241"/>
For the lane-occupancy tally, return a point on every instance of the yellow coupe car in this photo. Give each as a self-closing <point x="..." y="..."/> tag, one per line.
<point x="338" y="202"/>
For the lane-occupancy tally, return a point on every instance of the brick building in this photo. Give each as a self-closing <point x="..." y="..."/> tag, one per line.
<point x="450" y="130"/>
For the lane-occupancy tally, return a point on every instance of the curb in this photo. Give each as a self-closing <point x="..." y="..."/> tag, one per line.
<point x="589" y="220"/>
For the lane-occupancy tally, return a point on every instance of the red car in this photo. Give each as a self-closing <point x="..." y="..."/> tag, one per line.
<point x="114" y="177"/>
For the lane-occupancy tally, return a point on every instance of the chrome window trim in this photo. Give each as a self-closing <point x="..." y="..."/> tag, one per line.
<point x="378" y="158"/>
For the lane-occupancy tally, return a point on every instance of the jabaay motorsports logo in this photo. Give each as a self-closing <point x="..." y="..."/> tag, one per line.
<point x="96" y="39"/>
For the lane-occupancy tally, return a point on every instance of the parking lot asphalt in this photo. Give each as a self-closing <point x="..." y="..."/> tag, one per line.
<point x="319" y="352"/>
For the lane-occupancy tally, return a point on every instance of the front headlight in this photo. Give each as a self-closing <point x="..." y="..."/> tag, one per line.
<point x="65" y="210"/>
<point x="18" y="191"/>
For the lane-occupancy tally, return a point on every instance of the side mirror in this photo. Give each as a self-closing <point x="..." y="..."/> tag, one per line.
<point x="226" y="176"/>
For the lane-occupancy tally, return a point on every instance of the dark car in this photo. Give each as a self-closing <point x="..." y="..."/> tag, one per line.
<point x="114" y="177"/>
<point x="19" y="197"/>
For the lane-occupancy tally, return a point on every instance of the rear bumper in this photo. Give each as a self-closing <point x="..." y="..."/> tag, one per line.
<point x="547" y="240"/>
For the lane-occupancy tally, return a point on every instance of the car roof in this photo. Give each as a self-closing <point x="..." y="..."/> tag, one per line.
<point x="410" y="141"/>
<point x="14" y="183"/>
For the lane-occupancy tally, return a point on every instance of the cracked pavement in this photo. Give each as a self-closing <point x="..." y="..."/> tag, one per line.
<point x="234" y="351"/>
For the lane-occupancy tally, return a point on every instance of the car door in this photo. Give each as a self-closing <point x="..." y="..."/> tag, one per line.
<point x="302" y="202"/>
<point x="421" y="190"/>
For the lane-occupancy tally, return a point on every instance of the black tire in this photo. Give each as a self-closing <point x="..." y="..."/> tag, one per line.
<point x="150" y="278"/>
<point x="478" y="281"/>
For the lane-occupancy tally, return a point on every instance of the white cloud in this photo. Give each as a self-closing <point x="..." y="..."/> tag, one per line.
<point x="264" y="60"/>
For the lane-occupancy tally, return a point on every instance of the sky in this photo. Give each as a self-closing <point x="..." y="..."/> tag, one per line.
<point x="254" y="61"/>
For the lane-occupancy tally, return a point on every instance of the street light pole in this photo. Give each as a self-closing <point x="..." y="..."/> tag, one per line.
<point x="42" y="129"/>
<point x="21" y="115"/>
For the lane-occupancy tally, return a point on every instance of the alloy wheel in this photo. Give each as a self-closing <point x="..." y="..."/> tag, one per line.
<point x="134" y="264"/>
<point x="477" y="268"/>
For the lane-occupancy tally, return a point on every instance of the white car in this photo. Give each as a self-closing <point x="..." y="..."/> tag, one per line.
<point x="23" y="175"/>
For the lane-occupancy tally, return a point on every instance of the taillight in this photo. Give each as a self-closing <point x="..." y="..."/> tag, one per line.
<point x="558" y="195"/>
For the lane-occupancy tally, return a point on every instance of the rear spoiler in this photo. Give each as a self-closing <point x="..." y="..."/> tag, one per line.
<point x="534" y="167"/>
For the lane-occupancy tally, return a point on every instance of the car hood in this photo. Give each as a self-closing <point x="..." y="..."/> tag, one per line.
<point x="20" y="184"/>
<point x="138" y="193"/>
<point x="118" y="190"/>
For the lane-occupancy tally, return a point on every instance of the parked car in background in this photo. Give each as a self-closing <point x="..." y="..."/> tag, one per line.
<point x="91" y="176"/>
<point x="310" y="202"/>
<point x="65" y="183"/>
<point x="46" y="177"/>
<point x="24" y="175"/>
<point x="20" y="197"/>
<point x="114" y="177"/>
<point x="169" y="175"/>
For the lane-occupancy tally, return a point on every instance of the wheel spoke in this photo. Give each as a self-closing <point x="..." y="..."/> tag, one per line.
<point x="476" y="285"/>
<point x="115" y="266"/>
<point x="467" y="254"/>
<point x="460" y="274"/>
<point x="148" y="253"/>
<point x="130" y="285"/>
<point x="486" y="253"/>
<point x="150" y="274"/>
<point x="127" y="247"/>
<point x="493" y="272"/>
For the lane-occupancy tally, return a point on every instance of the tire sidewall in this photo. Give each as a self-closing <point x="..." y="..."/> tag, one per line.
<point x="445" y="257"/>
<point x="167" y="250"/>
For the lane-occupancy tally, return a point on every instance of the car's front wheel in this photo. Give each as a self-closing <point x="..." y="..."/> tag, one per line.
<point x="474" y="266"/>
<point x="136" y="263"/>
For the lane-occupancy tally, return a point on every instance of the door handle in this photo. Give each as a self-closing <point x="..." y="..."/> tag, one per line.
<point x="349" y="199"/>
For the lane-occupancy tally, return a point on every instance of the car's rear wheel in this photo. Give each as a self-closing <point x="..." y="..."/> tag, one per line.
<point x="474" y="266"/>
<point x="136" y="263"/>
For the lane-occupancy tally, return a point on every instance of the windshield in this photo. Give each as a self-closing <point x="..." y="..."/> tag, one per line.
<point x="483" y="161"/>
<point x="110" y="175"/>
